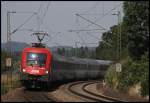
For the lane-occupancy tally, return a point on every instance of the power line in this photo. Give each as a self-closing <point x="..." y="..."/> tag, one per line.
<point x="82" y="39"/>
<point x="45" y="12"/>
<point x="48" y="28"/>
<point x="84" y="30"/>
<point x="92" y="36"/>
<point x="25" y="12"/>
<point x="24" y="29"/>
<point x="103" y="15"/>
<point x="103" y="7"/>
<point x="39" y="7"/>
<point x="93" y="7"/>
<point x="23" y="23"/>
<point x="92" y="14"/>
<point x="38" y="18"/>
<point x="41" y="19"/>
<point x="91" y="21"/>
<point x="95" y="21"/>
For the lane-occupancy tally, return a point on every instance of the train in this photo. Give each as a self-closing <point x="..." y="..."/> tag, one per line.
<point x="40" y="67"/>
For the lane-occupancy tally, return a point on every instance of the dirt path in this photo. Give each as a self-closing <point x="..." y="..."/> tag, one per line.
<point x="116" y="94"/>
<point x="23" y="95"/>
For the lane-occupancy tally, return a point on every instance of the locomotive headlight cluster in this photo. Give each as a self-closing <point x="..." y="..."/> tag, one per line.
<point x="33" y="55"/>
<point x="24" y="70"/>
<point x="46" y="71"/>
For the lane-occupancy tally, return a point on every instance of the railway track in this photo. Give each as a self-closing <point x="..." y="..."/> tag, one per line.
<point x="36" y="96"/>
<point x="84" y="91"/>
<point x="79" y="89"/>
<point x="100" y="95"/>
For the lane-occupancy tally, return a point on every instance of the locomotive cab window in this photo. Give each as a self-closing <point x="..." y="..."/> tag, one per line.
<point x="38" y="59"/>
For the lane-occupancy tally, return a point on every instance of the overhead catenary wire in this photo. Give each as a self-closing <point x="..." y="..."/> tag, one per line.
<point x="25" y="29"/>
<point x="85" y="30"/>
<point x="42" y="18"/>
<point x="102" y="28"/>
<point x="91" y="22"/>
<point x="38" y="18"/>
<point x="24" y="12"/>
<point x="82" y="39"/>
<point x="49" y="30"/>
<point x="23" y="23"/>
<point x="92" y="36"/>
<point x="103" y="7"/>
<point x="39" y="7"/>
<point x="93" y="7"/>
<point x="92" y="14"/>
<point x="103" y="15"/>
<point x="50" y="36"/>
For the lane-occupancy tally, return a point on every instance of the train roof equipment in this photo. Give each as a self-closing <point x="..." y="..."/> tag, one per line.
<point x="40" y="36"/>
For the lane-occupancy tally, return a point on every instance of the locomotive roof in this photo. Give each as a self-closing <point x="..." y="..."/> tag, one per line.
<point x="35" y="48"/>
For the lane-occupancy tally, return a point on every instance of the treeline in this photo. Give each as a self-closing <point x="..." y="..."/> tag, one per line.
<point x="134" y="47"/>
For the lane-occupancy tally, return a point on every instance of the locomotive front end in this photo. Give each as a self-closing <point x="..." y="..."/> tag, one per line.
<point x="35" y="66"/>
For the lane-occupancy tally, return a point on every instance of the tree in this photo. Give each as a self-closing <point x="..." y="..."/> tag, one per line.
<point x="108" y="47"/>
<point x="135" y="38"/>
<point x="136" y="21"/>
<point x="59" y="51"/>
<point x="134" y="33"/>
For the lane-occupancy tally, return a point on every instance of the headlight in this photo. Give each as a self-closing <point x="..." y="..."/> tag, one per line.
<point x="24" y="70"/>
<point x="46" y="71"/>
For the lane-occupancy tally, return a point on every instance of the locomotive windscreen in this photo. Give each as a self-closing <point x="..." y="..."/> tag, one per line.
<point x="36" y="59"/>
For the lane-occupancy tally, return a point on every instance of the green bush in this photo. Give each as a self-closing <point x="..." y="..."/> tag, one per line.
<point x="109" y="76"/>
<point x="145" y="76"/>
<point x="4" y="54"/>
<point x="133" y="72"/>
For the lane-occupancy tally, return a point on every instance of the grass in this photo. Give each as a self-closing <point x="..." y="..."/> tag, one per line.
<point x="7" y="80"/>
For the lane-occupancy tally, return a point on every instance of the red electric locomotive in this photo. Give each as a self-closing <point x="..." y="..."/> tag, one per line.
<point x="35" y="66"/>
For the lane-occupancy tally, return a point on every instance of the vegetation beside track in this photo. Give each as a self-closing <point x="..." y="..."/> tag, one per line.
<point x="8" y="81"/>
<point x="134" y="49"/>
<point x="133" y="73"/>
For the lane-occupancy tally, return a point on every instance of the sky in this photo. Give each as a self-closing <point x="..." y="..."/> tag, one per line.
<point x="60" y="21"/>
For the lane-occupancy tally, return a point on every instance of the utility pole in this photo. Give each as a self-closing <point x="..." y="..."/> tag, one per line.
<point x="120" y="32"/>
<point x="118" y="65"/>
<point x="9" y="58"/>
<point x="8" y="46"/>
<point x="8" y="38"/>
<point x="119" y="35"/>
<point x="8" y="33"/>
